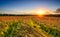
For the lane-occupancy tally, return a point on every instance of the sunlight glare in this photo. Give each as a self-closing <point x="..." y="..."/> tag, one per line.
<point x="41" y="12"/>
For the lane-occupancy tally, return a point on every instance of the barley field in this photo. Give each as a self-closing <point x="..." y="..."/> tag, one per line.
<point x="29" y="26"/>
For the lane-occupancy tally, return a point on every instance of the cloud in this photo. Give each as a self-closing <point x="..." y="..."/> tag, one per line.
<point x="13" y="12"/>
<point x="58" y="10"/>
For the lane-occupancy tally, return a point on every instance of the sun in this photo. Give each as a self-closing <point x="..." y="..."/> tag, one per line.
<point x="41" y="12"/>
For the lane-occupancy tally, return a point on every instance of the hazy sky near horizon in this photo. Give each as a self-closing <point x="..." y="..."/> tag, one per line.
<point x="26" y="6"/>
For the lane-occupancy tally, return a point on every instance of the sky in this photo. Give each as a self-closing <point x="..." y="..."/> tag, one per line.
<point x="27" y="6"/>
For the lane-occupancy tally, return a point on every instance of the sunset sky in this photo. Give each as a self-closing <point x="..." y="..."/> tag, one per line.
<point x="27" y="6"/>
